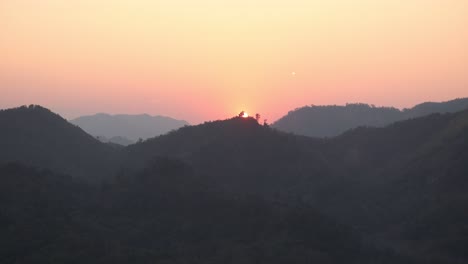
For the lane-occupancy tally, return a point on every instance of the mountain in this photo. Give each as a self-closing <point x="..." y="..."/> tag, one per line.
<point x="412" y="180"/>
<point x="131" y="128"/>
<point x="234" y="191"/>
<point x="329" y="121"/>
<point x="239" y="154"/>
<point x="160" y="215"/>
<point x="35" y="136"/>
<point x="403" y="187"/>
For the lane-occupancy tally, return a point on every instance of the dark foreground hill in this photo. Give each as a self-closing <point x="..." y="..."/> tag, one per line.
<point x="330" y="121"/>
<point x="130" y="127"/>
<point x="35" y="136"/>
<point x="160" y="215"/>
<point x="410" y="184"/>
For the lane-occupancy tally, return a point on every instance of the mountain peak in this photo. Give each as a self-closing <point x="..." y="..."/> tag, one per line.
<point x="32" y="108"/>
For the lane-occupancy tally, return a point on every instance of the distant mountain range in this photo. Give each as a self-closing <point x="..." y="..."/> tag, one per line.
<point x="234" y="191"/>
<point x="126" y="129"/>
<point x="332" y="120"/>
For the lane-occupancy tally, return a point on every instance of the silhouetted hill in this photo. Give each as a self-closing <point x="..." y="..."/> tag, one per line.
<point x="385" y="182"/>
<point x="240" y="154"/>
<point x="160" y="215"/>
<point x="431" y="107"/>
<point x="36" y="136"/>
<point x="410" y="185"/>
<point x="131" y="127"/>
<point x="329" y="121"/>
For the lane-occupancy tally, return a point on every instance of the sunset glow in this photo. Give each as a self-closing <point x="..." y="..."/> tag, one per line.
<point x="205" y="59"/>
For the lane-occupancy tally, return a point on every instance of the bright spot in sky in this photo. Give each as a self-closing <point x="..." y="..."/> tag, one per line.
<point x="293" y="73"/>
<point x="245" y="115"/>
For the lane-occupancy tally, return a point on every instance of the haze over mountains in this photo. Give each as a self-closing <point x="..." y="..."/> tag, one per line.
<point x="332" y="120"/>
<point x="126" y="129"/>
<point x="314" y="121"/>
<point x="234" y="191"/>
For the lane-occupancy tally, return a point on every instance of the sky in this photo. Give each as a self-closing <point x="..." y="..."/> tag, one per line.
<point x="202" y="60"/>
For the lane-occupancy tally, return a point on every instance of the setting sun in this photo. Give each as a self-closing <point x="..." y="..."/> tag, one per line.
<point x="245" y="115"/>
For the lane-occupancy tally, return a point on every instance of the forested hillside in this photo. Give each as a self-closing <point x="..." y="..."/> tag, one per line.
<point x="234" y="191"/>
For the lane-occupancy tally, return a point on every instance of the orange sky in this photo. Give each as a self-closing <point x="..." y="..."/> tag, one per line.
<point x="209" y="59"/>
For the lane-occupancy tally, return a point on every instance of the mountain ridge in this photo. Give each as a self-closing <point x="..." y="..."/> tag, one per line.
<point x="401" y="187"/>
<point x="332" y="120"/>
<point x="131" y="127"/>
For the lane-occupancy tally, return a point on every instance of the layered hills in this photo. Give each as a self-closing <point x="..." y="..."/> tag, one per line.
<point x="392" y="194"/>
